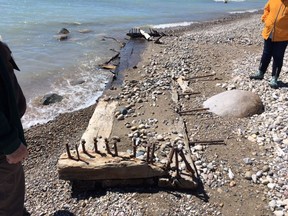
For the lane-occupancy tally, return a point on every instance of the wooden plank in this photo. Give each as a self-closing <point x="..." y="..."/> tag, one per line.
<point x="100" y="125"/>
<point x="182" y="130"/>
<point x="97" y="167"/>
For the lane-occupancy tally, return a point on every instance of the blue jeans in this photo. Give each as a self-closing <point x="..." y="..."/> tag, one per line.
<point x="275" y="50"/>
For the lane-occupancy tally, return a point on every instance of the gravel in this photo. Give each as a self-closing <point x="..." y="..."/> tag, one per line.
<point x="247" y="176"/>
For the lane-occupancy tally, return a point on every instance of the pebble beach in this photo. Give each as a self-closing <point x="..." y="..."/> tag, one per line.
<point x="247" y="176"/>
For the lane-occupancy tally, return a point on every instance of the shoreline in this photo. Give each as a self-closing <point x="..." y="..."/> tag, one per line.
<point x="126" y="63"/>
<point x="47" y="141"/>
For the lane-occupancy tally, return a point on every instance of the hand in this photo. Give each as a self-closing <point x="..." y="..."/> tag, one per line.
<point x="17" y="156"/>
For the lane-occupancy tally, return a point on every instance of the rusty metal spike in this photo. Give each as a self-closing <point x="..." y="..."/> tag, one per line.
<point x="189" y="168"/>
<point x="107" y="146"/>
<point x="170" y="157"/>
<point x="68" y="151"/>
<point x="152" y="153"/>
<point x="134" y="148"/>
<point x="148" y="155"/>
<point x="78" y="156"/>
<point x="115" y="148"/>
<point x="83" y="146"/>
<point x="95" y="145"/>
<point x="177" y="163"/>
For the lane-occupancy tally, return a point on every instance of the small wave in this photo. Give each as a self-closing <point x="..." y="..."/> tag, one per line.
<point x="79" y="90"/>
<point x="171" y="25"/>
<point x="246" y="11"/>
<point x="42" y="115"/>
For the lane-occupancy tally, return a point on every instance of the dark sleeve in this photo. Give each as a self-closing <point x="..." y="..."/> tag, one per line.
<point x="9" y="139"/>
<point x="19" y="96"/>
<point x="11" y="131"/>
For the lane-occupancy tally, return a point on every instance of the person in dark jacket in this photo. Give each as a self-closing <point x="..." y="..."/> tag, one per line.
<point x="13" y="148"/>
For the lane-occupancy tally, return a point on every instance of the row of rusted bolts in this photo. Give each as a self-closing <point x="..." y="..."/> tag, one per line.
<point x="150" y="148"/>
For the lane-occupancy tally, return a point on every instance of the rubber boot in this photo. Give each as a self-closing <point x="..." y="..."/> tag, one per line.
<point x="273" y="82"/>
<point x="257" y="76"/>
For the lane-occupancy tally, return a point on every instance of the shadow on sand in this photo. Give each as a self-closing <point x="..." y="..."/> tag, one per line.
<point x="282" y="84"/>
<point x="199" y="192"/>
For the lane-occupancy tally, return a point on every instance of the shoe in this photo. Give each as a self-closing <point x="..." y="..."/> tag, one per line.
<point x="257" y="76"/>
<point x="273" y="82"/>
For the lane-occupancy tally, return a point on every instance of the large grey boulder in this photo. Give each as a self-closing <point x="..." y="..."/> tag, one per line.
<point x="235" y="103"/>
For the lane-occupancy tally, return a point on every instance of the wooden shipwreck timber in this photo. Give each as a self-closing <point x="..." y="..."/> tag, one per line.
<point x="139" y="33"/>
<point x="97" y="159"/>
<point x="119" y="147"/>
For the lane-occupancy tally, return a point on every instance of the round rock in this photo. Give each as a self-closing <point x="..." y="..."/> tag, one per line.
<point x="235" y="103"/>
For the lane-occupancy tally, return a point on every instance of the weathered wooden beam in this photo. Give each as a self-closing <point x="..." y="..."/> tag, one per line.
<point x="105" y="168"/>
<point x="103" y="115"/>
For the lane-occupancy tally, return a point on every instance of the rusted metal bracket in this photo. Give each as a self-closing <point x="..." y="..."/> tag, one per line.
<point x="187" y="112"/>
<point x="178" y="152"/>
<point x="189" y="93"/>
<point x="207" y="142"/>
<point x="203" y="76"/>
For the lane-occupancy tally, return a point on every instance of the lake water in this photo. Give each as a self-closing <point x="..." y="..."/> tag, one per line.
<point x="48" y="65"/>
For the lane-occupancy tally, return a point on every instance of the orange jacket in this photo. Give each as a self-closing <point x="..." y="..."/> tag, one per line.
<point x="275" y="17"/>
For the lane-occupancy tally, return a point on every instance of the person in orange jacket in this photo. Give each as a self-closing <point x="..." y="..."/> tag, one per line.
<point x="275" y="34"/>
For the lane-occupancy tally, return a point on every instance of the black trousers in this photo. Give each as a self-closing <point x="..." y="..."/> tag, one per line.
<point x="12" y="188"/>
<point x="275" y="50"/>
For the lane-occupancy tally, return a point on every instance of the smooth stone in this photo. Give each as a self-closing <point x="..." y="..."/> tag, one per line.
<point x="248" y="175"/>
<point x="141" y="126"/>
<point x="232" y="184"/>
<point x="259" y="174"/>
<point x="160" y="138"/>
<point x="123" y="110"/>
<point x="285" y="141"/>
<point x="271" y="185"/>
<point x="198" y="148"/>
<point x="247" y="161"/>
<point x="235" y="103"/>
<point x="133" y="128"/>
<point x="265" y="168"/>
<point x="251" y="139"/>
<point x="254" y="178"/>
<point x="272" y="204"/>
<point x="140" y="153"/>
<point x="279" y="213"/>
<point x="120" y="117"/>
